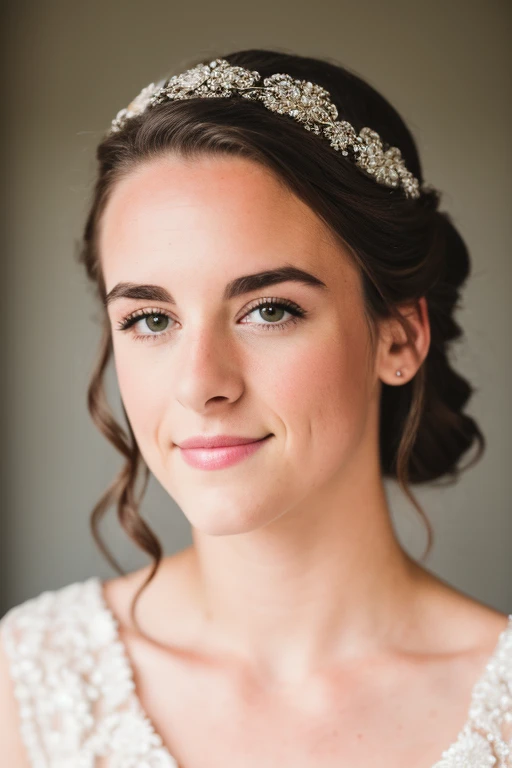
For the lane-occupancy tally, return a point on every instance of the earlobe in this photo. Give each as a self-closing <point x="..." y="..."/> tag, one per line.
<point x="400" y="359"/>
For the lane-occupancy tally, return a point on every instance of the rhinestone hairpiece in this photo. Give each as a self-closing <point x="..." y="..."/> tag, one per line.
<point x="306" y="102"/>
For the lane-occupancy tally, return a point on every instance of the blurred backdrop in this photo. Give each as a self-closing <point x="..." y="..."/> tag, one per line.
<point x="69" y="67"/>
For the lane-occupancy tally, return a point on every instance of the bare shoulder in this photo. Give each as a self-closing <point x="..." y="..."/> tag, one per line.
<point x="170" y="587"/>
<point x="12" y="749"/>
<point x="457" y="622"/>
<point x="120" y="590"/>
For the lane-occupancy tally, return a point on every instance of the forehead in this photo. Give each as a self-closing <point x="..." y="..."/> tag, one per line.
<point x="191" y="211"/>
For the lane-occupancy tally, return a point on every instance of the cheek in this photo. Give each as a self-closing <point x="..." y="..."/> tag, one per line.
<point x="323" y="397"/>
<point x="144" y="397"/>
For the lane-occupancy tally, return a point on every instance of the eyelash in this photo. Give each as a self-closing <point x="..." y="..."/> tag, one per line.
<point x="297" y="312"/>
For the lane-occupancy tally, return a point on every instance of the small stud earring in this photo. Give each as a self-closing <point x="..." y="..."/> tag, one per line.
<point x="399" y="373"/>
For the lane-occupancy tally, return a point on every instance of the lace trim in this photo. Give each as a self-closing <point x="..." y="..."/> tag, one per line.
<point x="74" y="684"/>
<point x="486" y="738"/>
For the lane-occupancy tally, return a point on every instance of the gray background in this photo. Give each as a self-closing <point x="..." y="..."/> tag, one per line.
<point x="69" y="68"/>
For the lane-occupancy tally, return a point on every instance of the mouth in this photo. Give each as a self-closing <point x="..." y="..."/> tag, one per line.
<point x="218" y="441"/>
<point x="221" y="457"/>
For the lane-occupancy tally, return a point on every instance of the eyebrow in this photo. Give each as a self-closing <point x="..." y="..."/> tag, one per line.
<point x="237" y="287"/>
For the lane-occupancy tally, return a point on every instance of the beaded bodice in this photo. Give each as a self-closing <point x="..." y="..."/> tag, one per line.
<point x="78" y="706"/>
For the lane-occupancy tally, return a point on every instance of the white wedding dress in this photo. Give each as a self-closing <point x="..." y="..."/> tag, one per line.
<point x="75" y="688"/>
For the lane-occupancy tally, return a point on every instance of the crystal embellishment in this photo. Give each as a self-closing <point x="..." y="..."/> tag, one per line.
<point x="306" y="102"/>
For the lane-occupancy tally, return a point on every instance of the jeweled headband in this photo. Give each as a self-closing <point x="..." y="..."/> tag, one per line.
<point x="306" y="102"/>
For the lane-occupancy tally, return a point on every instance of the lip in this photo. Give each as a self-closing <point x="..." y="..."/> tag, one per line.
<point x="217" y="441"/>
<point x="221" y="456"/>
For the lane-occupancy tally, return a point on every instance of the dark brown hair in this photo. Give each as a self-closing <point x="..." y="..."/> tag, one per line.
<point x="405" y="249"/>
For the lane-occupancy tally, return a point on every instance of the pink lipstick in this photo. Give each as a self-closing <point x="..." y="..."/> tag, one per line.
<point x="220" y="451"/>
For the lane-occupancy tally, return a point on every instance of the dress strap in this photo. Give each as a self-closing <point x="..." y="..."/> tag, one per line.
<point x="485" y="741"/>
<point x="73" y="686"/>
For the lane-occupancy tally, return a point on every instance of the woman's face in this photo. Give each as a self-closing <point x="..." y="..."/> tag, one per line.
<point x="203" y="363"/>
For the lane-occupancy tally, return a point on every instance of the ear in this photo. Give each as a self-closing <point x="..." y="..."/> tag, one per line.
<point x="394" y="351"/>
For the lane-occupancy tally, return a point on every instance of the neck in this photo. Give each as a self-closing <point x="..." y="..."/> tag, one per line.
<point x="314" y="587"/>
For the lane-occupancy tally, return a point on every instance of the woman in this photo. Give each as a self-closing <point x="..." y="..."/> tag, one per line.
<point x="279" y="289"/>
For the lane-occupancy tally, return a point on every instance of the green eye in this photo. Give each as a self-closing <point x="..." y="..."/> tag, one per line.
<point x="157" y="321"/>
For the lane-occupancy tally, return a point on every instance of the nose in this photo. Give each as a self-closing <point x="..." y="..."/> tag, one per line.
<point x="208" y="369"/>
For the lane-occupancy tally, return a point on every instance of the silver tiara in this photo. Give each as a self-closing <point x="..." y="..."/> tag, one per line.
<point x="306" y="102"/>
